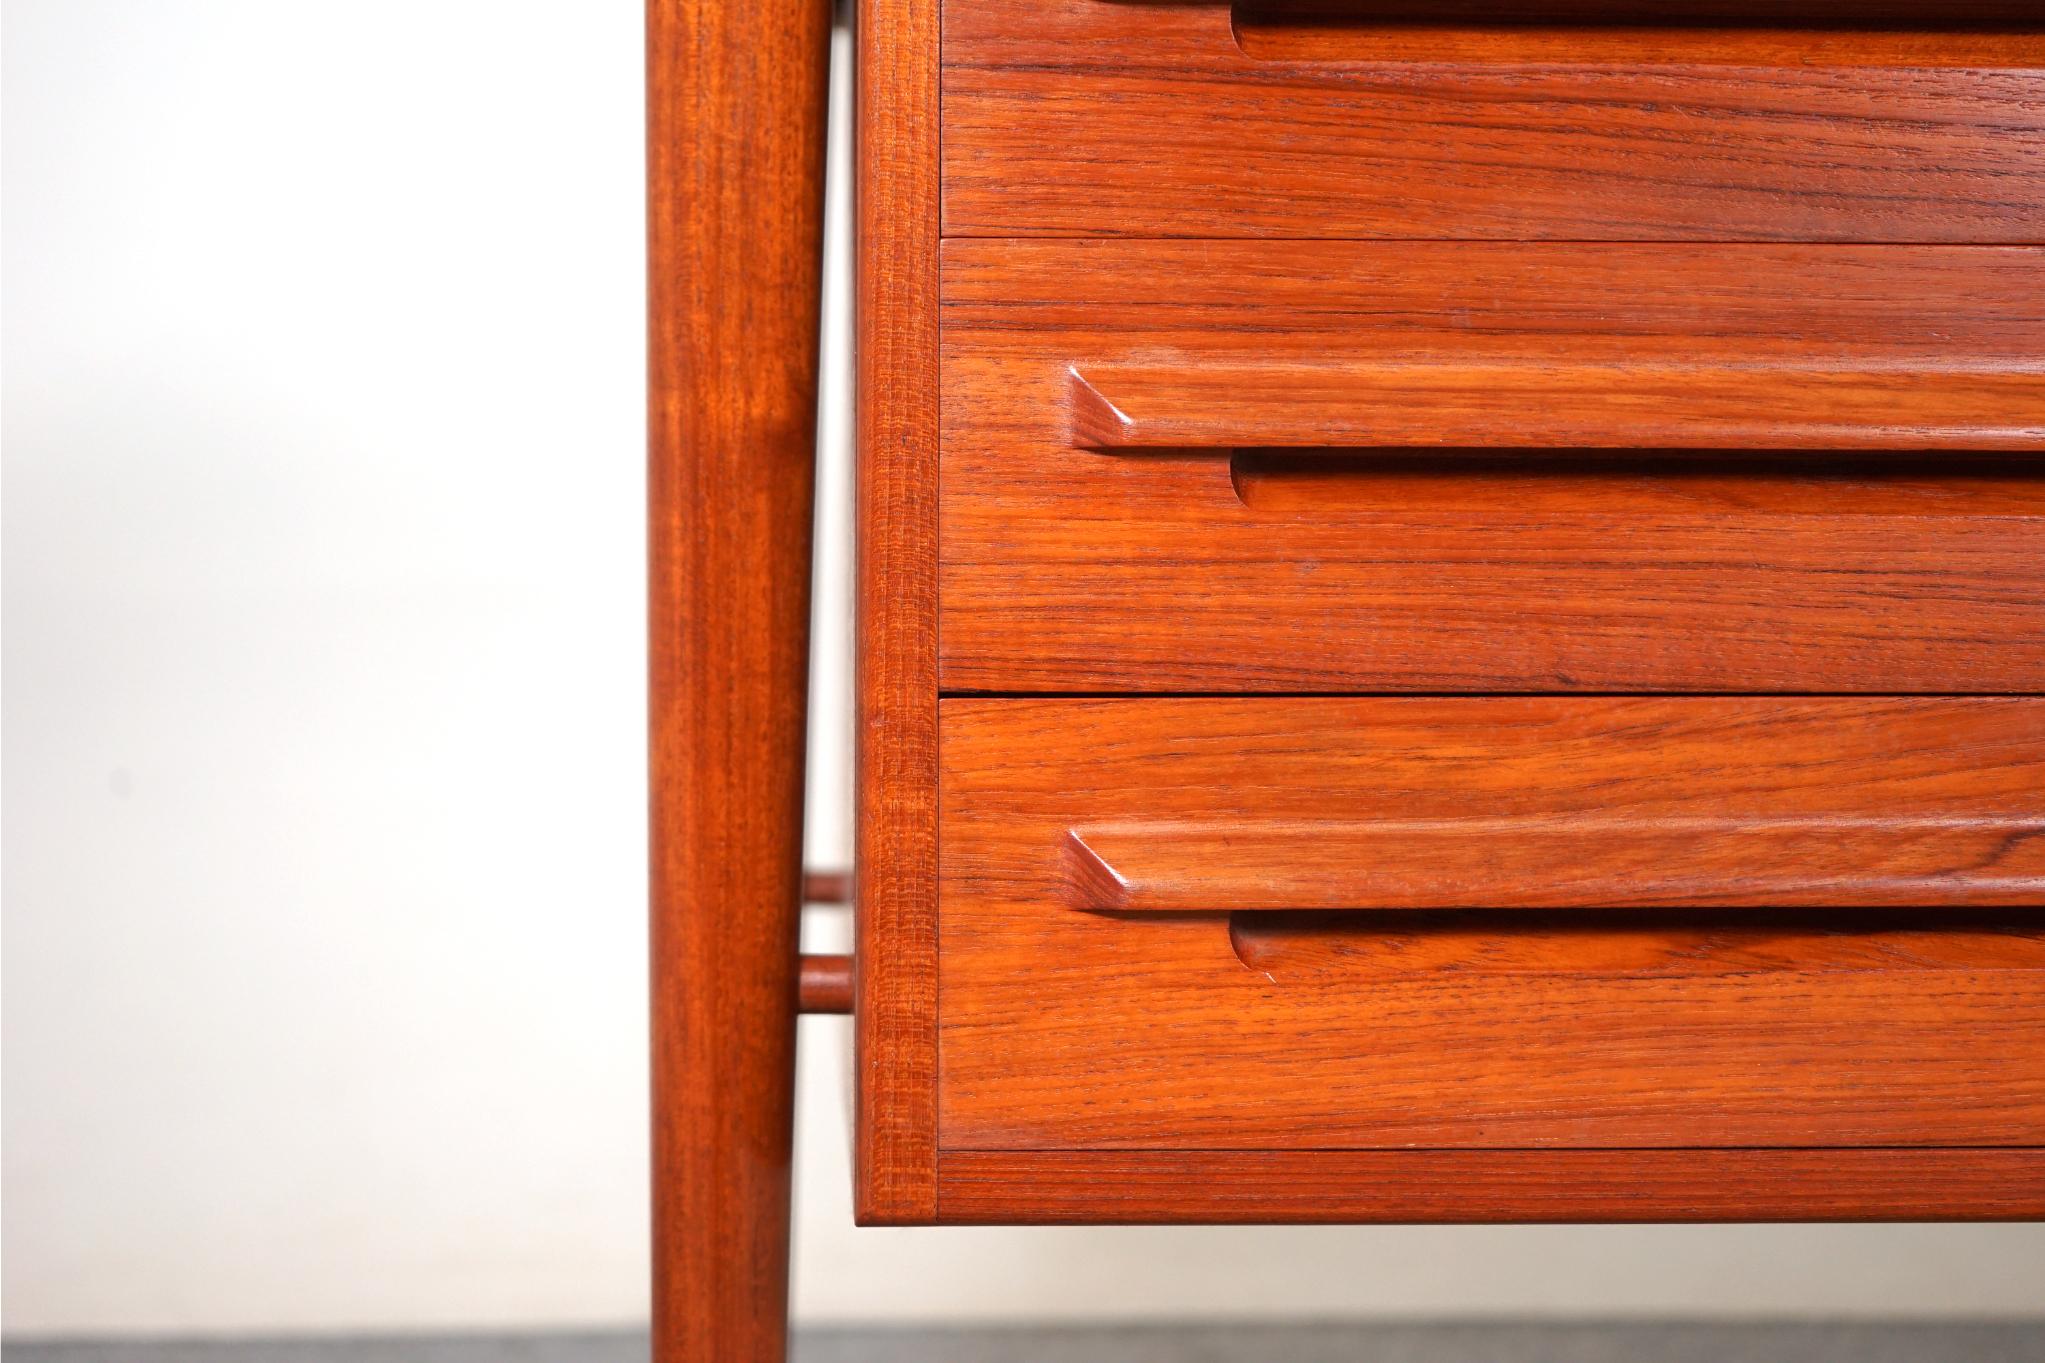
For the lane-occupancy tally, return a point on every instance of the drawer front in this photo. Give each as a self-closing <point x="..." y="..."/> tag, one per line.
<point x="1491" y="923"/>
<point x="1910" y="120"/>
<point x="1402" y="466"/>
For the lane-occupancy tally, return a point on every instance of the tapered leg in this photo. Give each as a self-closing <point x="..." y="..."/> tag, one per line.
<point x="736" y="109"/>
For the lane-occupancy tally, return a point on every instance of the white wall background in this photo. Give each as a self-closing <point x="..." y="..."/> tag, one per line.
<point x="323" y="792"/>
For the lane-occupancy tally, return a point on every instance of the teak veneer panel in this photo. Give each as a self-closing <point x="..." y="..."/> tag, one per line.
<point x="1110" y="118"/>
<point x="1065" y="1027"/>
<point x="1758" y="467"/>
<point x="1160" y="467"/>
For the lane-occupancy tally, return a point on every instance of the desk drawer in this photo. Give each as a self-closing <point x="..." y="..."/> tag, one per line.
<point x="1512" y="923"/>
<point x="1328" y="466"/>
<point x="1910" y="120"/>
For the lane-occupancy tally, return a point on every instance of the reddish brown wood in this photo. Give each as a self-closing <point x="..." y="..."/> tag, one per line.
<point x="1338" y="1186"/>
<point x="1793" y="33"/>
<point x="735" y="99"/>
<point x="1099" y="118"/>
<point x="1157" y="560"/>
<point x="1639" y="487"/>
<point x="827" y="887"/>
<point x="1561" y="805"/>
<point x="1330" y="944"/>
<point x="895" y="862"/>
<point x="1310" y="466"/>
<point x="825" y="984"/>
<point x="1984" y="852"/>
<point x="1065" y="1028"/>
<point x="1815" y="399"/>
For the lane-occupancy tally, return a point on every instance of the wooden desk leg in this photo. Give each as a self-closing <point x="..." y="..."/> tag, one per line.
<point x="736" y="93"/>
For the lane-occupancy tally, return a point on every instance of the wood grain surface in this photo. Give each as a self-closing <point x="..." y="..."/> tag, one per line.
<point x="895" y="741"/>
<point x="1102" y="118"/>
<point x="1116" y="517"/>
<point x="735" y="161"/>
<point x="1646" y="397"/>
<point x="1774" y="852"/>
<point x="1791" y="33"/>
<point x="1555" y="803"/>
<point x="1723" y="459"/>
<point x="1070" y="1029"/>
<point x="1417" y="1186"/>
<point x="1319" y="944"/>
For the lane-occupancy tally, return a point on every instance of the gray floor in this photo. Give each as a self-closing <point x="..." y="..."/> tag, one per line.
<point x="1415" y="1343"/>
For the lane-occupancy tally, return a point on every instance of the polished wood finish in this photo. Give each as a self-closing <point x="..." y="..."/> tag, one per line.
<point x="1338" y="466"/>
<point x="1377" y="855"/>
<point x="1610" y="422"/>
<point x="1323" y="944"/>
<point x="736" y="106"/>
<point x="895" y="910"/>
<point x="1905" y="33"/>
<point x="1550" y="803"/>
<point x="1103" y="118"/>
<point x="1095" y="995"/>
<point x="1651" y="397"/>
<point x="1379" y="1186"/>
<point x="824" y="984"/>
<point x="1639" y="487"/>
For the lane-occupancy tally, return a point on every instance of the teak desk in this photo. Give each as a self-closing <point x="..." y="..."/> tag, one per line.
<point x="1451" y="614"/>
